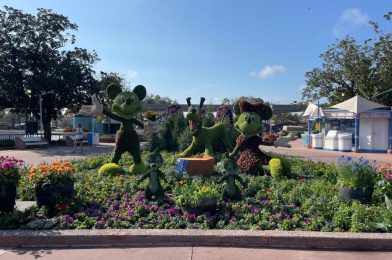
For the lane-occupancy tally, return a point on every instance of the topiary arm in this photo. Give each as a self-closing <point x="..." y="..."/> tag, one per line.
<point x="137" y="122"/>
<point x="162" y="176"/>
<point x="189" y="151"/>
<point x="108" y="113"/>
<point x="235" y="151"/>
<point x="144" y="176"/>
<point x="240" y="180"/>
<point x="222" y="179"/>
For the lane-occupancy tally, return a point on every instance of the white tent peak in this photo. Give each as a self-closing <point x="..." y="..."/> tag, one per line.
<point x="313" y="110"/>
<point x="357" y="105"/>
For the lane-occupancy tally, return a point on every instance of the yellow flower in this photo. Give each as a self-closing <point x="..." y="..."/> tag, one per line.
<point x="203" y="189"/>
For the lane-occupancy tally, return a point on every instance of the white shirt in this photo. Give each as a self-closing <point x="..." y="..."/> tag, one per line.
<point x="79" y="133"/>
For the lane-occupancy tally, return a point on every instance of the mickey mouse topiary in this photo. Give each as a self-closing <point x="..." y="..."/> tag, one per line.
<point x="125" y="107"/>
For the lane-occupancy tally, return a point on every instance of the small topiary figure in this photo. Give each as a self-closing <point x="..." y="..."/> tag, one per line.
<point x="276" y="168"/>
<point x="111" y="169"/>
<point x="125" y="107"/>
<point x="153" y="187"/>
<point x="203" y="136"/>
<point x="229" y="170"/>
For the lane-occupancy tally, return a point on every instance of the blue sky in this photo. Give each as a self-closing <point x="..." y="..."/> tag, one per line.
<point x="215" y="49"/>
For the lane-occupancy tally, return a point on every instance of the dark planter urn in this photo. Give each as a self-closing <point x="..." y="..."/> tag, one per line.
<point x="207" y="205"/>
<point x="363" y="195"/>
<point x="50" y="195"/>
<point x="7" y="196"/>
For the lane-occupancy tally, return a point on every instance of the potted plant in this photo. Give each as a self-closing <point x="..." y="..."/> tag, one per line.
<point x="385" y="182"/>
<point x="195" y="197"/>
<point x="356" y="179"/>
<point x="54" y="183"/>
<point x="9" y="178"/>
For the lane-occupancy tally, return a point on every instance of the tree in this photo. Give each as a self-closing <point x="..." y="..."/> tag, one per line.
<point x="37" y="53"/>
<point x="350" y="68"/>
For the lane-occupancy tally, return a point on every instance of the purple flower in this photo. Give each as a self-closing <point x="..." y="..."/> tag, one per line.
<point x="130" y="213"/>
<point x="68" y="219"/>
<point x="388" y="176"/>
<point x="190" y="216"/>
<point x="315" y="216"/>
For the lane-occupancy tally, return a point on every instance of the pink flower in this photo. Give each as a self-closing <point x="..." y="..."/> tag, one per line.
<point x="6" y="165"/>
<point x="388" y="176"/>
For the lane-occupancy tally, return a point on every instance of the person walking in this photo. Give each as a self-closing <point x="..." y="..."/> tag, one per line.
<point x="79" y="138"/>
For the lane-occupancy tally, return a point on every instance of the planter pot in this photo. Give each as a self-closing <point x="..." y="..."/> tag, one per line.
<point x="50" y="195"/>
<point x="7" y="196"/>
<point x="388" y="202"/>
<point x="207" y="205"/>
<point x="362" y="195"/>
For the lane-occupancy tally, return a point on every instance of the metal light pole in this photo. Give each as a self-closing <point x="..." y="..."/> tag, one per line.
<point x="40" y="114"/>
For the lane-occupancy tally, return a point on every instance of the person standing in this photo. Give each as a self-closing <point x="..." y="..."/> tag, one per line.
<point x="79" y="138"/>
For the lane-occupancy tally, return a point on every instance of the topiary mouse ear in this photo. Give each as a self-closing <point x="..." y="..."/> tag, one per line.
<point x="113" y="90"/>
<point x="140" y="91"/>
<point x="264" y="111"/>
<point x="236" y="108"/>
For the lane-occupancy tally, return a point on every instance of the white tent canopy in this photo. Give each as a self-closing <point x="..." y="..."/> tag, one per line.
<point x="313" y="111"/>
<point x="357" y="105"/>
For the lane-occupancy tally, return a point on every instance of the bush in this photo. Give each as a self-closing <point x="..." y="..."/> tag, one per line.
<point x="285" y="165"/>
<point x="110" y="169"/>
<point x="276" y="168"/>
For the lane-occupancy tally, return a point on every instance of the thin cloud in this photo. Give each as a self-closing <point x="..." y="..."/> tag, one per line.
<point x="268" y="71"/>
<point x="349" y="20"/>
<point x="130" y="74"/>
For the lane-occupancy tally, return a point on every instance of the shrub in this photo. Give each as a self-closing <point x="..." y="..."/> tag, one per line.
<point x="276" y="168"/>
<point x="285" y="165"/>
<point x="110" y="169"/>
<point x="356" y="174"/>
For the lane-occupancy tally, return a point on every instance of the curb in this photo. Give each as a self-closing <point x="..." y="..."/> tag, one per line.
<point x="187" y="237"/>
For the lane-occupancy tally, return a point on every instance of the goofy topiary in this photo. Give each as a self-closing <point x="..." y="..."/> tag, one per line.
<point x="125" y="107"/>
<point x="203" y="136"/>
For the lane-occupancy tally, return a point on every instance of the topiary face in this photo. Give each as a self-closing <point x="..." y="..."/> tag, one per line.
<point x="126" y="104"/>
<point x="250" y="118"/>
<point x="249" y="124"/>
<point x="193" y="116"/>
<point x="155" y="160"/>
<point x="228" y="166"/>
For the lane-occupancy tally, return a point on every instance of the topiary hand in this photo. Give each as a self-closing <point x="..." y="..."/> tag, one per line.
<point x="282" y="142"/>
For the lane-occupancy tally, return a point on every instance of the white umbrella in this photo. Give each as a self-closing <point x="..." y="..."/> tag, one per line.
<point x="357" y="105"/>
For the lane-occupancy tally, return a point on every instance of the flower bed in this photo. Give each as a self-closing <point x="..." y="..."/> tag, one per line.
<point x="306" y="200"/>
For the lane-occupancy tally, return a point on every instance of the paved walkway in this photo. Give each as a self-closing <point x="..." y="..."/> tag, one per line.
<point x="35" y="156"/>
<point x="186" y="252"/>
<point x="297" y="149"/>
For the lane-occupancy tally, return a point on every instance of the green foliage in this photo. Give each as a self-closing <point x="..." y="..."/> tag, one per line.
<point x="192" y="193"/>
<point x="356" y="174"/>
<point x="43" y="45"/>
<point x="172" y="129"/>
<point x="351" y="68"/>
<point x="301" y="204"/>
<point x="110" y="169"/>
<point x="185" y="139"/>
<point x="285" y="165"/>
<point x="276" y="168"/>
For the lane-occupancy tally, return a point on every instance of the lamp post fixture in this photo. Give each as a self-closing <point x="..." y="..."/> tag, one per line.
<point x="29" y="95"/>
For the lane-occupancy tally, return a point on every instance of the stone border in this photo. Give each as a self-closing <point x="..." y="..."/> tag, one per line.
<point x="234" y="238"/>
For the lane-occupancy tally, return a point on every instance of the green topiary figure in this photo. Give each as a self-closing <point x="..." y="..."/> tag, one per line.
<point x="229" y="170"/>
<point x="276" y="168"/>
<point x="110" y="169"/>
<point x="154" y="187"/>
<point x="125" y="107"/>
<point x="249" y="125"/>
<point x="286" y="165"/>
<point x="203" y="136"/>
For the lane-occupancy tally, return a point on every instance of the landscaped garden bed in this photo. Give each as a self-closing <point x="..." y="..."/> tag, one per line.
<point x="306" y="199"/>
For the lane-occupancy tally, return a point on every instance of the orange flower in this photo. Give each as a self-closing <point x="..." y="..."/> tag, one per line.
<point x="32" y="176"/>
